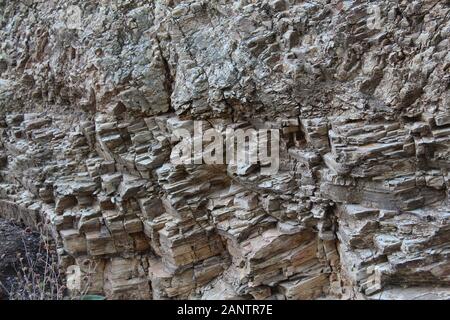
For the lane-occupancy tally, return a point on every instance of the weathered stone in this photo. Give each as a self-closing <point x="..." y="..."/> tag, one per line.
<point x="74" y="242"/>
<point x="358" y="209"/>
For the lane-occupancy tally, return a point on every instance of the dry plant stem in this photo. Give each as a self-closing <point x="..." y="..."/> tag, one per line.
<point x="38" y="274"/>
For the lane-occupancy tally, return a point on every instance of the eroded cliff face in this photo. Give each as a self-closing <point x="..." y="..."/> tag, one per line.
<point x="91" y="92"/>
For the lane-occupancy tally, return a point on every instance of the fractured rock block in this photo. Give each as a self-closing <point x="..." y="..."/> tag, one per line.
<point x="100" y="243"/>
<point x="125" y="278"/>
<point x="305" y="289"/>
<point x="74" y="242"/>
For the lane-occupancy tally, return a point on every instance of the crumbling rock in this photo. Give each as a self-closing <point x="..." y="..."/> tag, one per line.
<point x="358" y="90"/>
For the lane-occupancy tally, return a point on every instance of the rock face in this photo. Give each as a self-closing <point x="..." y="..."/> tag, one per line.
<point x="92" y="91"/>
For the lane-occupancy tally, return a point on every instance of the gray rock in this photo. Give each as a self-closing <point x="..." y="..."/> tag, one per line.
<point x="359" y="208"/>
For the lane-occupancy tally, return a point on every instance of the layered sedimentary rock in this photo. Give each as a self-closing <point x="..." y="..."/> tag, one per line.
<point x="91" y="93"/>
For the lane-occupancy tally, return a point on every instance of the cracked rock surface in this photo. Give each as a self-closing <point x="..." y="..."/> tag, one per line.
<point x="91" y="92"/>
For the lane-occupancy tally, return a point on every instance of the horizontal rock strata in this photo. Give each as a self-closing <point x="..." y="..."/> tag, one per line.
<point x="91" y="93"/>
